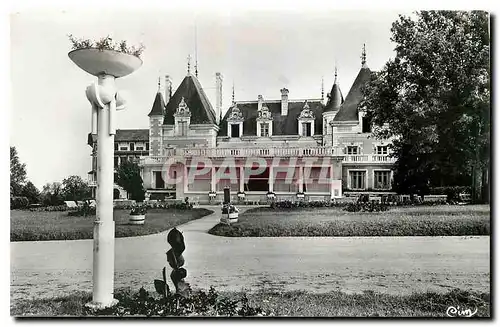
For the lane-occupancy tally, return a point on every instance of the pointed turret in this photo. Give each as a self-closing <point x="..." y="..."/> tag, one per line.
<point x="158" y="108"/>
<point x="349" y="109"/>
<point x="335" y="97"/>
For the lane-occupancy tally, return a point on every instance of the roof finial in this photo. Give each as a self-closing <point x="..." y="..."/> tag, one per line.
<point x="189" y="64"/>
<point x="363" y="56"/>
<point x="335" y="81"/>
<point x="322" y="88"/>
<point x="159" y="83"/>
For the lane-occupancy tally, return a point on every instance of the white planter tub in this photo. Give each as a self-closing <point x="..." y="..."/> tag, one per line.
<point x="136" y="219"/>
<point x="229" y="218"/>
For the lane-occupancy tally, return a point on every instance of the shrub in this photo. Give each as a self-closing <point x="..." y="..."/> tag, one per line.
<point x="50" y="208"/>
<point x="200" y="303"/>
<point x="19" y="202"/>
<point x="366" y="207"/>
<point x="287" y="204"/>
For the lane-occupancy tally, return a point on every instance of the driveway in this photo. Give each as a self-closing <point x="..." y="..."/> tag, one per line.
<point x="395" y="265"/>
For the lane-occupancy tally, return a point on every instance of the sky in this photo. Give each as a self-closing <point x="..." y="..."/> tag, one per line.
<point x="260" y="51"/>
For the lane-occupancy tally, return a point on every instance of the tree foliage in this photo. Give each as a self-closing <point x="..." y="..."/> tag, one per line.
<point x="129" y="177"/>
<point x="31" y="192"/>
<point x="52" y="194"/>
<point x="74" y="188"/>
<point x="17" y="173"/>
<point x="433" y="99"/>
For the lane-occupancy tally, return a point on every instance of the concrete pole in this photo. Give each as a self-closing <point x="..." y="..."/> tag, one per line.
<point x="104" y="226"/>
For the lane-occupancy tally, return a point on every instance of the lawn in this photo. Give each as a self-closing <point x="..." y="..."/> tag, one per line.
<point x="294" y="304"/>
<point x="42" y="226"/>
<point x="445" y="220"/>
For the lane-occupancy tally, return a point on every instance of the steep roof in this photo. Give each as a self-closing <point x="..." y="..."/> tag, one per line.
<point x="349" y="109"/>
<point x="335" y="99"/>
<point x="124" y="135"/>
<point x="132" y="135"/>
<point x="158" y="106"/>
<point x="196" y="100"/>
<point x="282" y="125"/>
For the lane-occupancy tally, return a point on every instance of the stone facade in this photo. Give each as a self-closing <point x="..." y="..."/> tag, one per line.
<point x="281" y="148"/>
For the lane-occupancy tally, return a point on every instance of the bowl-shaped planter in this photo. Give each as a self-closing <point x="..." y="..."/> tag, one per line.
<point x="110" y="62"/>
<point x="136" y="219"/>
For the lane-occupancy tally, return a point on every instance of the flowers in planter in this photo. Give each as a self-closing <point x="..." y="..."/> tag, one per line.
<point x="212" y="195"/>
<point x="106" y="43"/>
<point x="300" y="195"/>
<point x="229" y="208"/>
<point x="138" y="210"/>
<point x="241" y="195"/>
<point x="271" y="195"/>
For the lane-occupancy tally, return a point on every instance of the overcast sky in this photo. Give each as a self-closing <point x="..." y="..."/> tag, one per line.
<point x="260" y="51"/>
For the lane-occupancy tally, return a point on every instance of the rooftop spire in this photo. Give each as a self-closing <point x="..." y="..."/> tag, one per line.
<point x="322" y="88"/>
<point x="195" y="51"/>
<point x="335" y="81"/>
<point x="233" y="93"/>
<point x="363" y="57"/>
<point x="189" y="64"/>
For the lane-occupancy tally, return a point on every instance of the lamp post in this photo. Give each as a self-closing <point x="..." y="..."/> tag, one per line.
<point x="107" y="66"/>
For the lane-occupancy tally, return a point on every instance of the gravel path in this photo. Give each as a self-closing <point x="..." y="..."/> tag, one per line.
<point x="395" y="265"/>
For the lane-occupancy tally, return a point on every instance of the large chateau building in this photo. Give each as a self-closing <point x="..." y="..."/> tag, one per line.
<point x="284" y="148"/>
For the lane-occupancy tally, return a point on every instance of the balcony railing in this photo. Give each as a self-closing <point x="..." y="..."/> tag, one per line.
<point x="369" y="158"/>
<point x="265" y="152"/>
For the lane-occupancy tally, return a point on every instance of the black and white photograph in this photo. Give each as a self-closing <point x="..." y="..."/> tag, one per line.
<point x="251" y="162"/>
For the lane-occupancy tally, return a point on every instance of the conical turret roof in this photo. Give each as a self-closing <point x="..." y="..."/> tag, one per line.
<point x="195" y="98"/>
<point x="158" y="108"/>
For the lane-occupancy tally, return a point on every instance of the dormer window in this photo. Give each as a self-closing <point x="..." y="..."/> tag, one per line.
<point x="306" y="121"/>
<point x="182" y="118"/>
<point x="264" y="122"/>
<point x="306" y="129"/>
<point x="235" y="122"/>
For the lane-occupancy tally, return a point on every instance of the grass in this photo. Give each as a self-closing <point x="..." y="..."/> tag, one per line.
<point x="446" y="220"/>
<point x="301" y="304"/>
<point x="43" y="226"/>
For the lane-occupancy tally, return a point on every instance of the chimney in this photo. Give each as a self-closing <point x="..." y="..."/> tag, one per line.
<point x="284" y="101"/>
<point x="260" y="101"/>
<point x="218" y="96"/>
<point x="168" y="89"/>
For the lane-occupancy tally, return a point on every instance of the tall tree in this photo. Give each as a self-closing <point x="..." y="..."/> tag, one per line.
<point x="17" y="173"/>
<point x="129" y="177"/>
<point x="31" y="192"/>
<point x="433" y="100"/>
<point x="52" y="194"/>
<point x="74" y="188"/>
